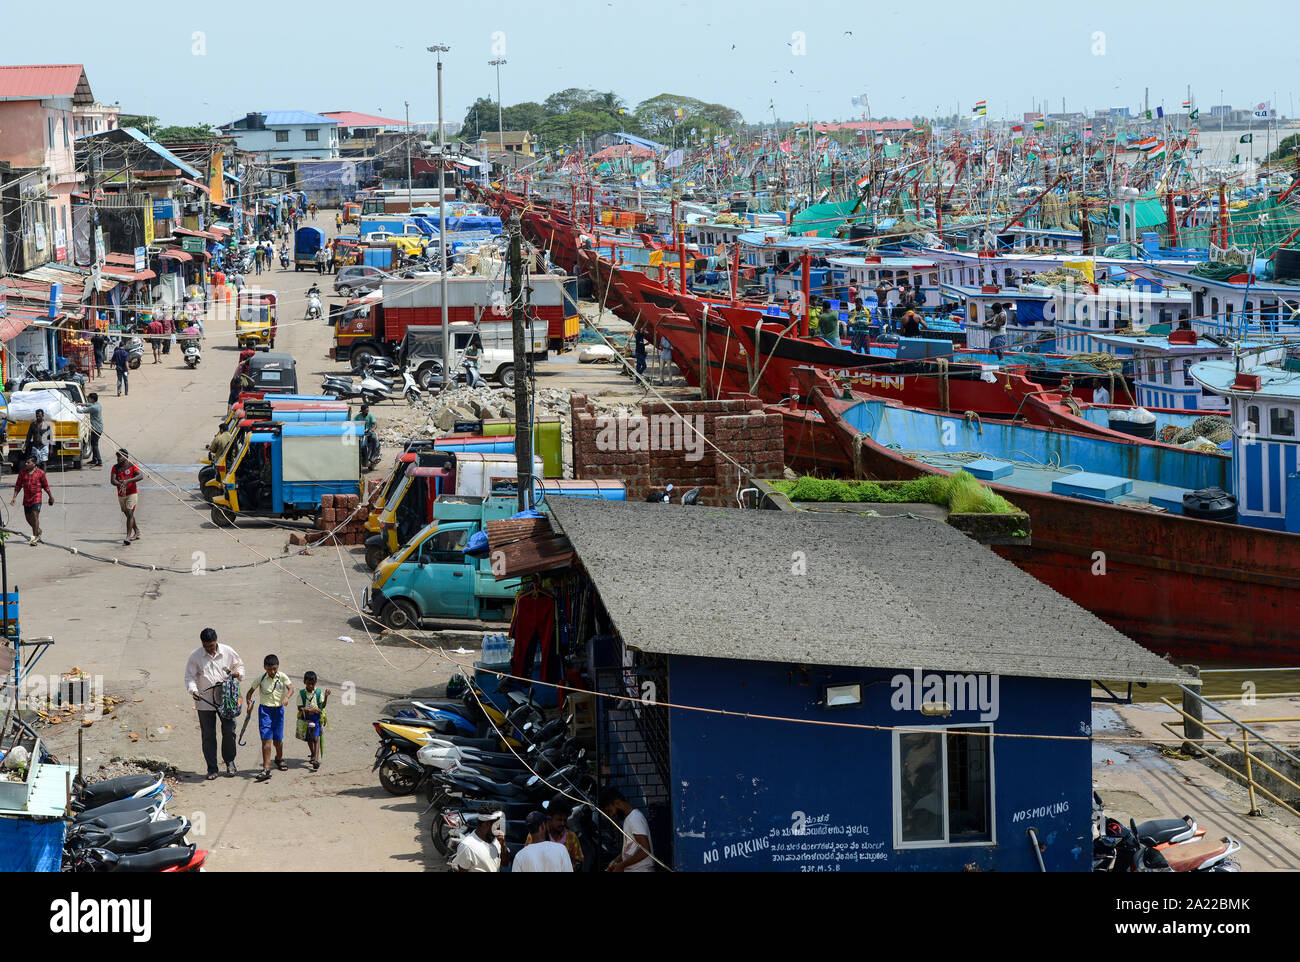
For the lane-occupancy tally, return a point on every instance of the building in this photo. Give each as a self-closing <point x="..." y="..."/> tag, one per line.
<point x="353" y="125"/>
<point x="514" y="141"/>
<point x="41" y="110"/>
<point x="796" y="691"/>
<point x="286" y="135"/>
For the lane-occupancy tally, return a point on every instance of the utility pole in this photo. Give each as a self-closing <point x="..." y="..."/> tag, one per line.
<point x="523" y="427"/>
<point x="448" y="379"/>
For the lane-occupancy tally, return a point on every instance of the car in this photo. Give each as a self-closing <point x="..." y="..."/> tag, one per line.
<point x="358" y="279"/>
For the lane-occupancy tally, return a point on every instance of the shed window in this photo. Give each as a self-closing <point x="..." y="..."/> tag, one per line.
<point x="1281" y="422"/>
<point x="943" y="786"/>
<point x="282" y="136"/>
<point x="312" y="135"/>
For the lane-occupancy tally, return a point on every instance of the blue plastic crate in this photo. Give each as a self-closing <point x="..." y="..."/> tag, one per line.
<point x="987" y="469"/>
<point x="1095" y="487"/>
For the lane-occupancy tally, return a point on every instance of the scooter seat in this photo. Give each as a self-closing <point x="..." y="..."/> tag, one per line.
<point x="485" y="744"/>
<point x="118" y="821"/>
<point x="1161" y="830"/>
<point x="155" y="861"/>
<point x="145" y="805"/>
<point x="1191" y="855"/>
<point x="136" y="838"/>
<point x="493" y="788"/>
<point x="97" y="793"/>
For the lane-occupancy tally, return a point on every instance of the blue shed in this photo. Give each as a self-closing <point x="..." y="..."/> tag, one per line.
<point x="827" y="692"/>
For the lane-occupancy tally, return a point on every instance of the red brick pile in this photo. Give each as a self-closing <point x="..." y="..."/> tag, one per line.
<point x="336" y="510"/>
<point x="738" y="427"/>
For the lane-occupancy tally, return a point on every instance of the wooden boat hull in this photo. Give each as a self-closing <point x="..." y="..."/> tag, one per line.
<point x="1180" y="586"/>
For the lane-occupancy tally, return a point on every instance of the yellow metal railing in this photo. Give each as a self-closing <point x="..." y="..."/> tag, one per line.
<point x="1189" y="723"/>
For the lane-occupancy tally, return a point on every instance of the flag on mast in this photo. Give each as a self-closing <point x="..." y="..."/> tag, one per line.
<point x="981" y="108"/>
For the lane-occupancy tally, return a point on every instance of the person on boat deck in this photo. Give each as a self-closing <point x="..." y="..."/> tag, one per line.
<point x="912" y="324"/>
<point x="1100" y="395"/>
<point x="997" y="323"/>
<point x="1184" y="325"/>
<point x="882" y="300"/>
<point x="830" y="325"/>
<point x="814" y="317"/>
<point x="859" y="331"/>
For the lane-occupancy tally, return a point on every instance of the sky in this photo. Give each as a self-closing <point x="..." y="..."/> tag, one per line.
<point x="189" y="64"/>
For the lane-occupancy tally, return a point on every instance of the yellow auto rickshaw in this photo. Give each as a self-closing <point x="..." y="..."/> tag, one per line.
<point x="255" y="320"/>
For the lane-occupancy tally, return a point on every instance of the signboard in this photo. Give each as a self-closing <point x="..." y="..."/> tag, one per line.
<point x="60" y="244"/>
<point x="192" y="245"/>
<point x="56" y="293"/>
<point x="148" y="231"/>
<point x="140" y="259"/>
<point x="164" y="209"/>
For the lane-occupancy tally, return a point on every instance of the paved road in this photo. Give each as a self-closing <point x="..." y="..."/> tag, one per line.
<point x="136" y="628"/>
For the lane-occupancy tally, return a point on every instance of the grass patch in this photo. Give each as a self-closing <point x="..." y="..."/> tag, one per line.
<point x="960" y="493"/>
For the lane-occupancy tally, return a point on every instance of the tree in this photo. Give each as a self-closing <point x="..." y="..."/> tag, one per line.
<point x="144" y="123"/>
<point x="181" y="133"/>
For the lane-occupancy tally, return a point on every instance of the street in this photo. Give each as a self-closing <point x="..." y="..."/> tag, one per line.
<point x="136" y="628"/>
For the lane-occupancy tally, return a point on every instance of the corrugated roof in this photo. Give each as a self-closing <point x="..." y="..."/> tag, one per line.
<point x="350" y="118"/>
<point x="288" y="118"/>
<point x="157" y="148"/>
<point x="875" y="592"/>
<point x="46" y="80"/>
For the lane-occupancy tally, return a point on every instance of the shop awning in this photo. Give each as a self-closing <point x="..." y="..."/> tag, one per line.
<point x="187" y="232"/>
<point x="11" y="327"/>
<point x="126" y="275"/>
<point x="176" y="254"/>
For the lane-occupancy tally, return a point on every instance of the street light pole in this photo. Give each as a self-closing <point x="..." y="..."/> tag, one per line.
<point x="408" y="155"/>
<point x="501" y="134"/>
<point x="438" y="49"/>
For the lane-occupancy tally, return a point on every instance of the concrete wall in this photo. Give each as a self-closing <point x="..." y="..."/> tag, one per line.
<point x="297" y="146"/>
<point x="655" y="449"/>
<point x="743" y="788"/>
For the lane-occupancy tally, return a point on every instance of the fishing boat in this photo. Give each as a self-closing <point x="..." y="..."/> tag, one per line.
<point x="1122" y="527"/>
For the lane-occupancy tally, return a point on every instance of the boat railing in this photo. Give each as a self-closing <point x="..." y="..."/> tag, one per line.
<point x="1195" y="728"/>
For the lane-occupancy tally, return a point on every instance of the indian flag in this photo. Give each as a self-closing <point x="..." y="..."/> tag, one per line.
<point x="1187" y="105"/>
<point x="981" y="107"/>
<point x="1087" y="131"/>
<point x="1039" y="125"/>
<point x="862" y="181"/>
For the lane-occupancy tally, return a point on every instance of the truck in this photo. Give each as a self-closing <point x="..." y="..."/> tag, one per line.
<point x="306" y="242"/>
<point x="283" y="471"/>
<point x="431" y="577"/>
<point x="431" y="474"/>
<point x="416" y="302"/>
<point x="71" y="428"/>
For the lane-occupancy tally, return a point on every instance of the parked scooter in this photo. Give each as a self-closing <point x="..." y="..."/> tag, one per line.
<point x="372" y="389"/>
<point x="174" y="858"/>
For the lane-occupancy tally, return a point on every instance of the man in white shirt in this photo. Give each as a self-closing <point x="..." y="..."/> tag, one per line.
<point x="540" y="854"/>
<point x="485" y="848"/>
<point x="1100" y="395"/>
<point x="637" y="850"/>
<point x="206" y="669"/>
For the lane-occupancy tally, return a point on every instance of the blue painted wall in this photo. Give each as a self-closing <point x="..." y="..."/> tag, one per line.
<point x="739" y="785"/>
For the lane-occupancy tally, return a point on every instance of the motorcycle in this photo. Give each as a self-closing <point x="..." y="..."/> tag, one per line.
<point x="284" y="260"/>
<point x="134" y="351"/>
<point x="1125" y="849"/>
<point x="174" y="858"/>
<point x="371" y="390"/>
<point x="315" y="310"/>
<point x="192" y="355"/>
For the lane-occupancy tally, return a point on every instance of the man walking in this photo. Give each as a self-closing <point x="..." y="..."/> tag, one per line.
<point x="121" y="361"/>
<point x="123" y="476"/>
<point x="39" y="443"/>
<point x="207" y="669"/>
<point x="258" y="254"/>
<point x="95" y="412"/>
<point x="31" y="481"/>
<point x="155" y="330"/>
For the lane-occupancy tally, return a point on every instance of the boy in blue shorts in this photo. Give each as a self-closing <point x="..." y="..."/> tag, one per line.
<point x="273" y="691"/>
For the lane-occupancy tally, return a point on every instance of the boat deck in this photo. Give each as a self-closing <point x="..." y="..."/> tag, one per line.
<point x="1039" y="478"/>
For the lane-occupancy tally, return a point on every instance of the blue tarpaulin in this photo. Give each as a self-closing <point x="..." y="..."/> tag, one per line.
<point x="1029" y="311"/>
<point x="30" y="846"/>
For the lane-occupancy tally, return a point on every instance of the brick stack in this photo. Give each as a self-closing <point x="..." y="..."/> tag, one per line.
<point x="335" y="509"/>
<point x="738" y="427"/>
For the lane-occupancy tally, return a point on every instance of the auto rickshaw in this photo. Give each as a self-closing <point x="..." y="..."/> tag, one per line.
<point x="255" y="319"/>
<point x="351" y="212"/>
<point x="347" y="251"/>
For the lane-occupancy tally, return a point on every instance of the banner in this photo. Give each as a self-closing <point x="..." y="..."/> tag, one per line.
<point x="675" y="159"/>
